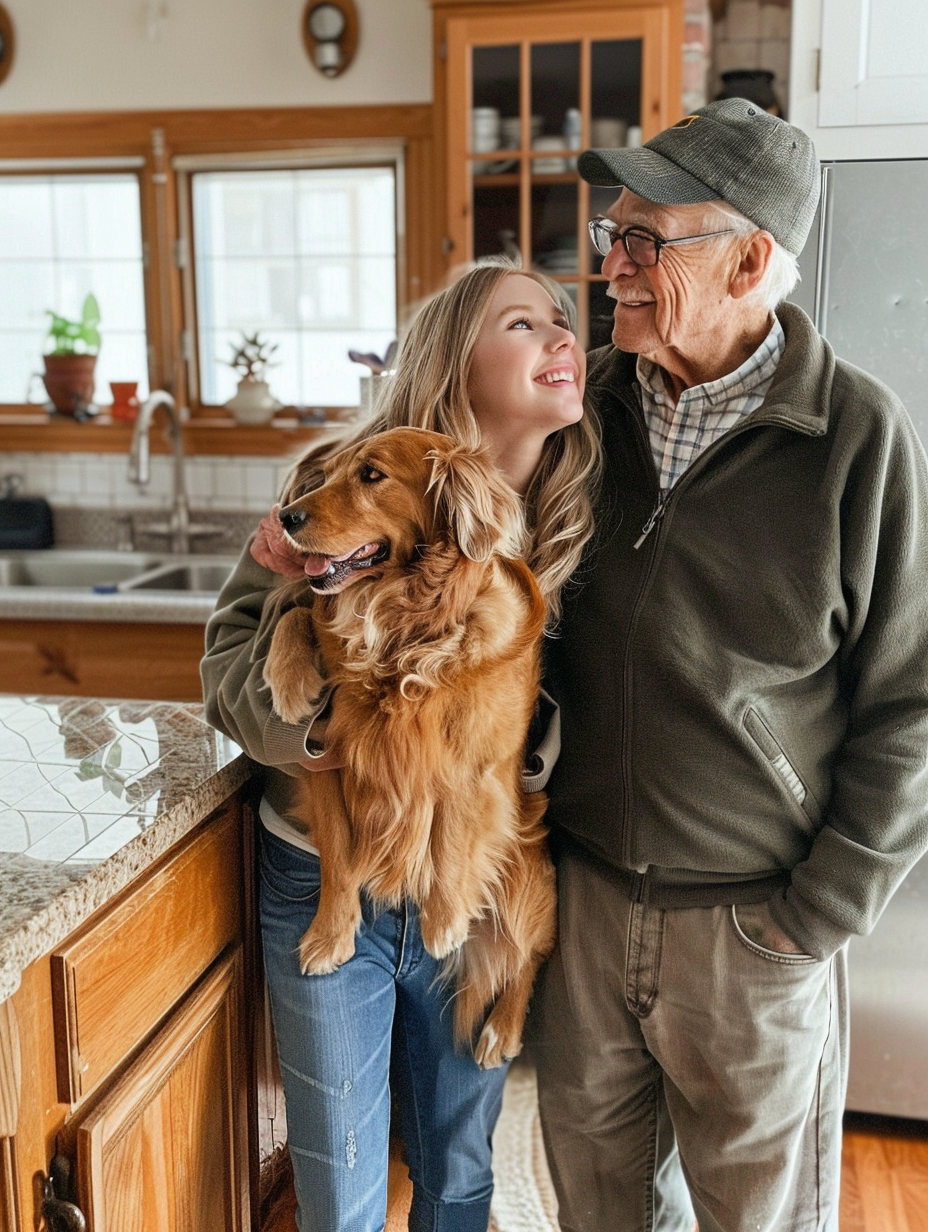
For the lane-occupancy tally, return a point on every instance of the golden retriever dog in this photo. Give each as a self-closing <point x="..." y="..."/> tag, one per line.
<point x="418" y="608"/>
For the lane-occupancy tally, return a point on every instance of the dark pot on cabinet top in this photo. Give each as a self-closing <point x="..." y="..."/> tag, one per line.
<point x="754" y="84"/>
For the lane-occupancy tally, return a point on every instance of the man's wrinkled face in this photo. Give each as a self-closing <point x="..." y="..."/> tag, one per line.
<point x="677" y="306"/>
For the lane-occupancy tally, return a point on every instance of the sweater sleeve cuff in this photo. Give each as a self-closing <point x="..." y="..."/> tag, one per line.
<point x="818" y="935"/>
<point x="285" y="743"/>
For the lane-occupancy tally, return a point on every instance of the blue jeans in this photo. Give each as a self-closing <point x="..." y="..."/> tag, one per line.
<point x="380" y="1020"/>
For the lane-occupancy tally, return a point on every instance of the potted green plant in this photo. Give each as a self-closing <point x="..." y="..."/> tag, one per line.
<point x="71" y="359"/>
<point x="253" y="402"/>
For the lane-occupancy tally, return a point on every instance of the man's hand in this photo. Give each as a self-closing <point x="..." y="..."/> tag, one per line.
<point x="758" y="925"/>
<point x="274" y="550"/>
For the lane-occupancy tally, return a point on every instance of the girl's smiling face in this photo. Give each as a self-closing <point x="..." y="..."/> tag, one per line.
<point x="527" y="370"/>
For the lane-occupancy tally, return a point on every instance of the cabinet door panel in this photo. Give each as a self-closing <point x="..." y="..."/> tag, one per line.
<point x="101" y="659"/>
<point x="166" y="1149"/>
<point x="113" y="984"/>
<point x="874" y="56"/>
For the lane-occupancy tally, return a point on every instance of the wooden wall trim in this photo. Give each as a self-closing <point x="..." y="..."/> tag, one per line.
<point x="211" y="130"/>
<point x="465" y="8"/>
<point x="25" y="430"/>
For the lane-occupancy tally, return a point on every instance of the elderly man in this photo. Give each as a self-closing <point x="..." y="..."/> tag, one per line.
<point x="743" y="680"/>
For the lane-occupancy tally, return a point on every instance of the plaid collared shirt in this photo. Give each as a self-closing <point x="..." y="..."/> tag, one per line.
<point x="679" y="433"/>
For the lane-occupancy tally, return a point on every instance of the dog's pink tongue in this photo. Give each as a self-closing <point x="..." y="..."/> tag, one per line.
<point x="315" y="566"/>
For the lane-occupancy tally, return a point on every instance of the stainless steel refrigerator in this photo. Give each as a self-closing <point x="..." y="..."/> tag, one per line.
<point x="865" y="284"/>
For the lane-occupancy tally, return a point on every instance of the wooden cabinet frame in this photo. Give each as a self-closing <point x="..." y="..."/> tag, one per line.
<point x="173" y="1099"/>
<point x="463" y="24"/>
<point x="156" y="138"/>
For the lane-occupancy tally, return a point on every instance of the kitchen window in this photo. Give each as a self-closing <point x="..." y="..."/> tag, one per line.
<point x="306" y="255"/>
<point x="64" y="234"/>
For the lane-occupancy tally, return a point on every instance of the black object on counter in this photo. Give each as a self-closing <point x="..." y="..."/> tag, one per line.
<point x="25" y="522"/>
<point x="754" y="84"/>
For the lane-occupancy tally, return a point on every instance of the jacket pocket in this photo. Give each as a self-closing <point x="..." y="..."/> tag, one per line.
<point x="768" y="744"/>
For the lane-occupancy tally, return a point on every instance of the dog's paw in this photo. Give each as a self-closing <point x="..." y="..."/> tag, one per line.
<point x="442" y="938"/>
<point x="321" y="954"/>
<point x="291" y="703"/>
<point x="493" y="1049"/>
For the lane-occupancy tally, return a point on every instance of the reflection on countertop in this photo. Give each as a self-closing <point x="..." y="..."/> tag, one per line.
<point x="91" y="792"/>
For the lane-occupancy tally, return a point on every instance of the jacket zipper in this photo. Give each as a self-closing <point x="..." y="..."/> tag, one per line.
<point x="656" y="516"/>
<point x="659" y="509"/>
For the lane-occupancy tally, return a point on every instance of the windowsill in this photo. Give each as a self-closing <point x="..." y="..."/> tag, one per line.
<point x="28" y="429"/>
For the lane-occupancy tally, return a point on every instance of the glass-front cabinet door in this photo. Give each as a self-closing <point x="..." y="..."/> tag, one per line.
<point x="525" y="90"/>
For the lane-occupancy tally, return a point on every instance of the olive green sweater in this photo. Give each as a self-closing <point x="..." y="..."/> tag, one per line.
<point x="744" y="695"/>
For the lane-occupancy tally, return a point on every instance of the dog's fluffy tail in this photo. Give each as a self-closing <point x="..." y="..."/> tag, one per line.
<point x="507" y="946"/>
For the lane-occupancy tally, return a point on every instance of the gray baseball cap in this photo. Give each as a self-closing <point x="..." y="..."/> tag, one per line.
<point x="731" y="150"/>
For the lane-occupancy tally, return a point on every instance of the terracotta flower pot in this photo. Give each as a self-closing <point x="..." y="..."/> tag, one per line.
<point x="69" y="380"/>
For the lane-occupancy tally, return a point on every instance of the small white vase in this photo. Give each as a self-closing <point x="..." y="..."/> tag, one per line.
<point x="253" y="402"/>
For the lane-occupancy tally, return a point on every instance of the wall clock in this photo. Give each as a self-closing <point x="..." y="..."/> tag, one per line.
<point x="330" y="33"/>
<point x="7" y="42"/>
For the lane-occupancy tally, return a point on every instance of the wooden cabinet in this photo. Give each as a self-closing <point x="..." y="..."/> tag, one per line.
<point x="859" y="77"/>
<point x="127" y="1052"/>
<point x="163" y="1150"/>
<point x="874" y="62"/>
<point x="159" y="662"/>
<point x="519" y="89"/>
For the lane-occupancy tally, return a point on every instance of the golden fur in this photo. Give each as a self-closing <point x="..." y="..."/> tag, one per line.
<point x="435" y="655"/>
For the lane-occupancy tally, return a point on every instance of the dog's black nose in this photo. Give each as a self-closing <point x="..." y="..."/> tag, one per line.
<point x="291" y="520"/>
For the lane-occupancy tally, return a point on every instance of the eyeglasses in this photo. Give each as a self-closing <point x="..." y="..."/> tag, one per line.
<point x="642" y="247"/>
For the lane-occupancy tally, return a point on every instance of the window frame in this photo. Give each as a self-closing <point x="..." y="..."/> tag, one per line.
<point x="185" y="167"/>
<point x="157" y="137"/>
<point x="11" y="168"/>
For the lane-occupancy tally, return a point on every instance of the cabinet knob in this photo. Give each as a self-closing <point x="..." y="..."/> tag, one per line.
<point x="59" y="1214"/>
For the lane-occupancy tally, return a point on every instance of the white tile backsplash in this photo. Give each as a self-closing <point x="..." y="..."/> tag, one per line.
<point x="101" y="481"/>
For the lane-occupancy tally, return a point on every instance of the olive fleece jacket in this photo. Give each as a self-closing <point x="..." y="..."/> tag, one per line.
<point x="744" y="694"/>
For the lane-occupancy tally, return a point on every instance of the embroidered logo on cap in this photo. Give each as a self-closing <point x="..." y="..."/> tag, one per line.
<point x="686" y="121"/>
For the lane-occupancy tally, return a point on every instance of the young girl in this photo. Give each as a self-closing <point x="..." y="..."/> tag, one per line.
<point x="491" y="359"/>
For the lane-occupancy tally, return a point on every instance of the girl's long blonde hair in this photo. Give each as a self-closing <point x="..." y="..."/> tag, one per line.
<point x="429" y="390"/>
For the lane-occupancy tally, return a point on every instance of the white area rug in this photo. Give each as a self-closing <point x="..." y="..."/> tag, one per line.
<point x="523" y="1196"/>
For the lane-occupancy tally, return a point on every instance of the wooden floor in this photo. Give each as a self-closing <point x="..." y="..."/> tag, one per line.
<point x="884" y="1180"/>
<point x="884" y="1185"/>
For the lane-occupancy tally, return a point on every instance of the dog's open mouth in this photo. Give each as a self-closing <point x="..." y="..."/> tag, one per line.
<point x="332" y="572"/>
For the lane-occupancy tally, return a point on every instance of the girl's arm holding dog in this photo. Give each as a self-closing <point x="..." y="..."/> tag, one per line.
<point x="237" y="700"/>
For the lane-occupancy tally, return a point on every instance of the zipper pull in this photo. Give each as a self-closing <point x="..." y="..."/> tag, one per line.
<point x="657" y="514"/>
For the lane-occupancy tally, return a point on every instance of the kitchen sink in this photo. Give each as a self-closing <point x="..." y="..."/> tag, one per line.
<point x="78" y="568"/>
<point x="205" y="576"/>
<point x="108" y="571"/>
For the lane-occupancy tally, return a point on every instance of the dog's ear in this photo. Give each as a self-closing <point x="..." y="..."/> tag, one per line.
<point x="474" y="505"/>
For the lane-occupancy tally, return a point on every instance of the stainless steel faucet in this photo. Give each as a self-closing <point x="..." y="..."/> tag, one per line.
<point x="179" y="529"/>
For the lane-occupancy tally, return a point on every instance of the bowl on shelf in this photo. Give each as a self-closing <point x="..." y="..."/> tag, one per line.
<point x="549" y="166"/>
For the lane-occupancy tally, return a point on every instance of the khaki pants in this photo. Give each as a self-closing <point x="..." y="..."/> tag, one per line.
<point x="685" y="1071"/>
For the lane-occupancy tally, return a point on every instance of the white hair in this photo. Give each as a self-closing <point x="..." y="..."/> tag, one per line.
<point x="782" y="272"/>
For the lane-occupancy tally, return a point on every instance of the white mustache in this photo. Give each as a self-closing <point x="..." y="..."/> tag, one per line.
<point x="612" y="292"/>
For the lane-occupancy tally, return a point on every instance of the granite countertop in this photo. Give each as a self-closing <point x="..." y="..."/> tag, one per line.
<point x="91" y="792"/>
<point x="138" y="607"/>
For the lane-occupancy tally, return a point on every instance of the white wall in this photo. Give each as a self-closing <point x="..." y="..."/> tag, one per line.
<point x="97" y="55"/>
